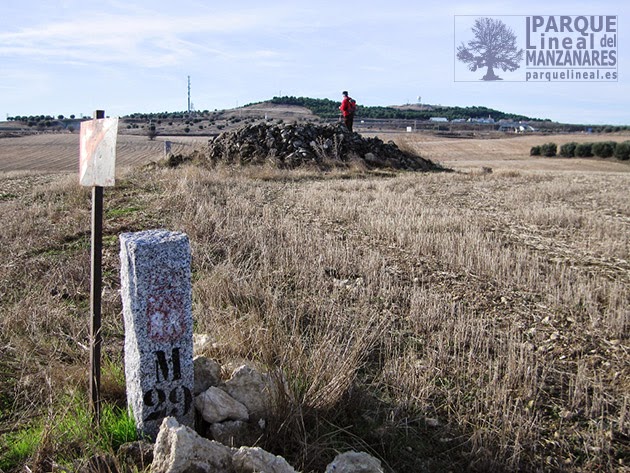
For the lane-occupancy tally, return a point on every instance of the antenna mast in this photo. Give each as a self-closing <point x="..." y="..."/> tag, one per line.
<point x="188" y="94"/>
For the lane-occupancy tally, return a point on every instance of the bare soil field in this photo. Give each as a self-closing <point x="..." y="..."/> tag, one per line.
<point x="511" y="152"/>
<point x="59" y="152"/>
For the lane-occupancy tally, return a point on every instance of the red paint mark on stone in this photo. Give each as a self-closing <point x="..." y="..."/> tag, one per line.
<point x="166" y="320"/>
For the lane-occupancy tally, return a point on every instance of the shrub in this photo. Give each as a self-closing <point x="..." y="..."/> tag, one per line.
<point x="604" y="149"/>
<point x="549" y="149"/>
<point x="152" y="132"/>
<point x="567" y="150"/>
<point x="535" y="151"/>
<point x="584" y="150"/>
<point x="622" y="151"/>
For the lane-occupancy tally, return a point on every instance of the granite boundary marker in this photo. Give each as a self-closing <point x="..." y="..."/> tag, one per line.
<point x="157" y="307"/>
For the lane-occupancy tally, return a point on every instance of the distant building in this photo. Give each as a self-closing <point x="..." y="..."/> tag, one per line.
<point x="438" y="119"/>
<point x="481" y="120"/>
<point x="513" y="127"/>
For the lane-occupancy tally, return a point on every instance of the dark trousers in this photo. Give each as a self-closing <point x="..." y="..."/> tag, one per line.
<point x="349" y="120"/>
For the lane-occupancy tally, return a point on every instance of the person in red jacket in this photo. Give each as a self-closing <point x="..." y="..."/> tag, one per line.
<point x="348" y="107"/>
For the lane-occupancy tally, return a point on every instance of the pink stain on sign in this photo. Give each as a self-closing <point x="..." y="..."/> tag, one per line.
<point x="97" y="154"/>
<point x="166" y="321"/>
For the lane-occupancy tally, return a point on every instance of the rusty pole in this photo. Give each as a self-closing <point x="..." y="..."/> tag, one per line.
<point x="95" y="295"/>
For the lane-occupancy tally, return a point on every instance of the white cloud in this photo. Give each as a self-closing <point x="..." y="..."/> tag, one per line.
<point x="149" y="39"/>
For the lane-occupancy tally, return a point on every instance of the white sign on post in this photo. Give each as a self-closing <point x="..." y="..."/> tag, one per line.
<point x="98" y="152"/>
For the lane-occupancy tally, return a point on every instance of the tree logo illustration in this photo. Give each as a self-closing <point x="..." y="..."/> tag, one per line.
<point x="494" y="47"/>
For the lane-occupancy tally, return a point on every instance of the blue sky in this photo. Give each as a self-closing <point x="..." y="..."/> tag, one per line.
<point x="71" y="57"/>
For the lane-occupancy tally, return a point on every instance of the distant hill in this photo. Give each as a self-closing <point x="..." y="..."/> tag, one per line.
<point x="304" y="109"/>
<point x="326" y="108"/>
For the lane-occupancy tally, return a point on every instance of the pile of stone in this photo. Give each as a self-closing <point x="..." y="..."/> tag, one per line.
<point x="232" y="417"/>
<point x="322" y="146"/>
<point x="234" y="412"/>
<point x="179" y="449"/>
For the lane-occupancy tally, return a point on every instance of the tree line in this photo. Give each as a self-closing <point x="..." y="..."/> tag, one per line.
<point x="327" y="108"/>
<point x="600" y="149"/>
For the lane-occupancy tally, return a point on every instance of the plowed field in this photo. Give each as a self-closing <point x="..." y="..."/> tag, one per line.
<point x="508" y="153"/>
<point x="60" y="152"/>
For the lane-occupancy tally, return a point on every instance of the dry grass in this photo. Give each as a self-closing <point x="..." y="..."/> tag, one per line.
<point x="508" y="152"/>
<point x="439" y="321"/>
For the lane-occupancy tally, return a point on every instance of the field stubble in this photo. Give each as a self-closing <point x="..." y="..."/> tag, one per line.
<point x="439" y="321"/>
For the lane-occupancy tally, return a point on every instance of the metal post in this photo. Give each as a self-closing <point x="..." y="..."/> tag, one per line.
<point x="95" y="295"/>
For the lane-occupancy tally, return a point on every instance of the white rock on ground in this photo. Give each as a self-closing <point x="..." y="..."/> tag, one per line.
<point x="207" y="374"/>
<point x="257" y="391"/>
<point x="179" y="449"/>
<point x="201" y="341"/>
<point x="354" y="462"/>
<point x="255" y="460"/>
<point x="215" y="405"/>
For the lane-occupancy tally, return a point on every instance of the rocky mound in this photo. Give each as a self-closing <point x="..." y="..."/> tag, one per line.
<point x="322" y="146"/>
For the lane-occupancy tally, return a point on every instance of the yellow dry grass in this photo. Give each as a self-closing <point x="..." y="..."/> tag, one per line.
<point x="510" y="152"/>
<point x="451" y="321"/>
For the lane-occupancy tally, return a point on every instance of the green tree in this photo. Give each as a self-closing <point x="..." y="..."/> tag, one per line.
<point x="567" y="150"/>
<point x="584" y="150"/>
<point x="152" y="132"/>
<point x="604" y="149"/>
<point x="549" y="149"/>
<point x="622" y="151"/>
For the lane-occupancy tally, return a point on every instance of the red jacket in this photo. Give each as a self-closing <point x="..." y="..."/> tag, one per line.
<point x="346" y="107"/>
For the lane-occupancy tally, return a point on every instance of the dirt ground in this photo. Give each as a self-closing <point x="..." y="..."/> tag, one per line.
<point x="60" y="152"/>
<point x="510" y="153"/>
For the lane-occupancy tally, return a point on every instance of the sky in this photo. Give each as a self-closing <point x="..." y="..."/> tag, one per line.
<point x="73" y="57"/>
